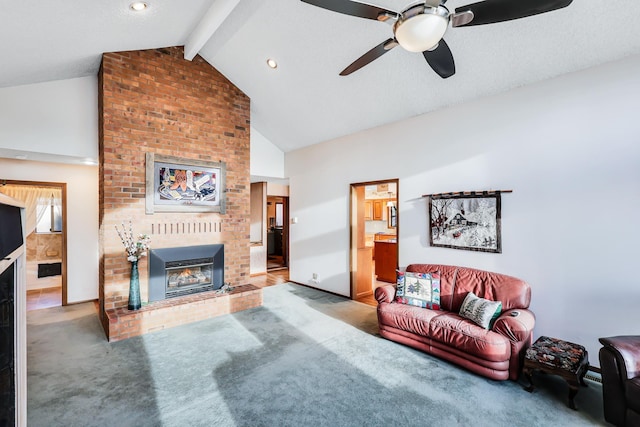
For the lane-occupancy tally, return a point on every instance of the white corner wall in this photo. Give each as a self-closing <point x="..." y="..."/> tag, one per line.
<point x="569" y="148"/>
<point x="82" y="218"/>
<point x="258" y="252"/>
<point x="267" y="160"/>
<point x="58" y="117"/>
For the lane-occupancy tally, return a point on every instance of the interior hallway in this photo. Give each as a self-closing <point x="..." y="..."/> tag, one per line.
<point x="44" y="298"/>
<point x="274" y="277"/>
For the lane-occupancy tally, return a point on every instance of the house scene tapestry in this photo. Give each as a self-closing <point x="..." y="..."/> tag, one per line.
<point x="468" y="222"/>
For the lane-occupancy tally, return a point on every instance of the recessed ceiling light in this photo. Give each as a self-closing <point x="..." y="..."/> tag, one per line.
<point x="138" y="6"/>
<point x="272" y="63"/>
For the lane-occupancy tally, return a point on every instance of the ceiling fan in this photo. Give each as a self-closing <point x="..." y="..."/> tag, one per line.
<point x="421" y="26"/>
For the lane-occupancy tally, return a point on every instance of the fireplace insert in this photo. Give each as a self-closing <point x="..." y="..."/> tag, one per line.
<point x="174" y="272"/>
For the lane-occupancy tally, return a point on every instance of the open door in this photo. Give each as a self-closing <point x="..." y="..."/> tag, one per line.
<point x="277" y="232"/>
<point x="362" y="254"/>
<point x="374" y="225"/>
<point x="46" y="240"/>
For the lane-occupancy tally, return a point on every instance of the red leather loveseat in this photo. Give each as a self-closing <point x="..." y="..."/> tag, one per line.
<point x="496" y="353"/>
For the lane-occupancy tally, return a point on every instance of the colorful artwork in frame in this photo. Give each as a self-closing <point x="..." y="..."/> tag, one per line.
<point x="183" y="185"/>
<point x="468" y="221"/>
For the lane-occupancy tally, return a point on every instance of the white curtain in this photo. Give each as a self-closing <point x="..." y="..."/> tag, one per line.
<point x="32" y="196"/>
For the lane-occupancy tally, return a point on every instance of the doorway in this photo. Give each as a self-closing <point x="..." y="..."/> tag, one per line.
<point x="277" y="233"/>
<point x="374" y="224"/>
<point x="45" y="240"/>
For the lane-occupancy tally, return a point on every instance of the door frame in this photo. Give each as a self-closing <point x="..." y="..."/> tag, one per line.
<point x="354" y="214"/>
<point x="63" y="188"/>
<point x="285" y="228"/>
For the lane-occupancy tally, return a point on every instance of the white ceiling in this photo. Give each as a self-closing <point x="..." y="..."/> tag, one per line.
<point x="304" y="101"/>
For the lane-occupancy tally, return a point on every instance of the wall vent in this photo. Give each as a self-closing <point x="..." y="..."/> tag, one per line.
<point x="593" y="377"/>
<point x="186" y="227"/>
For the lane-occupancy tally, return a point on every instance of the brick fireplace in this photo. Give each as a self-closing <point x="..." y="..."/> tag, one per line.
<point x="156" y="101"/>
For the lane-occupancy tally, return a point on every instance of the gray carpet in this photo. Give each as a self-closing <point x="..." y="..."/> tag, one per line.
<point x="306" y="358"/>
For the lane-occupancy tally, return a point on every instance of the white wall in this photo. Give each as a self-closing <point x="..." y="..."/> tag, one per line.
<point x="258" y="252"/>
<point x="82" y="218"/>
<point x="267" y="160"/>
<point x="59" y="117"/>
<point x="569" y="148"/>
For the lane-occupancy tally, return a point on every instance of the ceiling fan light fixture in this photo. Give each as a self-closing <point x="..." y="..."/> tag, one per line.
<point x="423" y="31"/>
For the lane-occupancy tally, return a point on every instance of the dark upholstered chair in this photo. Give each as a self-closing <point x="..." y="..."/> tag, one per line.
<point x="620" y="364"/>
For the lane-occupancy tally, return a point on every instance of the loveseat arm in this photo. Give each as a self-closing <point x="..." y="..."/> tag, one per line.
<point x="385" y="293"/>
<point x="620" y="363"/>
<point x="626" y="349"/>
<point x="516" y="328"/>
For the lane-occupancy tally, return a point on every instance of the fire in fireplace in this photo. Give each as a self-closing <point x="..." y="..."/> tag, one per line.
<point x="175" y="272"/>
<point x="184" y="276"/>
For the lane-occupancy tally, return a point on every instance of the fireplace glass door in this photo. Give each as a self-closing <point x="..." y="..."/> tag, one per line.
<point x="7" y="355"/>
<point x="188" y="276"/>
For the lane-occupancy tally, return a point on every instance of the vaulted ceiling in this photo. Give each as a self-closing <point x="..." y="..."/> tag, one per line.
<point x="304" y="101"/>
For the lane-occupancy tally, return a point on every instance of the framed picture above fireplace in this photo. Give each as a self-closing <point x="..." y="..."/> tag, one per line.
<point x="175" y="184"/>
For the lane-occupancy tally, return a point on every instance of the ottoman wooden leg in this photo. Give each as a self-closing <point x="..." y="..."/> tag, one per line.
<point x="581" y="373"/>
<point x="527" y="375"/>
<point x="573" y="390"/>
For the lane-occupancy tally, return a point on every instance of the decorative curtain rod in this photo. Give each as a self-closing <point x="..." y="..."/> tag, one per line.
<point x="468" y="193"/>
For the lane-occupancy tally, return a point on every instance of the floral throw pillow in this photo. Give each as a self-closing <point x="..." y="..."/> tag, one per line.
<point x="479" y="310"/>
<point x="419" y="289"/>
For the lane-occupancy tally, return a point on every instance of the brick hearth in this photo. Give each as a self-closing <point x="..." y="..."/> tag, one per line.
<point x="124" y="323"/>
<point x="156" y="101"/>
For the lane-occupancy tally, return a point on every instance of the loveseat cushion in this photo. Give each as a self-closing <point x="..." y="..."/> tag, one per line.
<point x="458" y="332"/>
<point x="448" y="328"/>
<point x="406" y="317"/>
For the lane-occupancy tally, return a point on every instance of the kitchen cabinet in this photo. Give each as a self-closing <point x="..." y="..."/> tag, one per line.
<point x="368" y="210"/>
<point x="378" y="209"/>
<point x="274" y="242"/>
<point x="384" y="236"/>
<point x="386" y="260"/>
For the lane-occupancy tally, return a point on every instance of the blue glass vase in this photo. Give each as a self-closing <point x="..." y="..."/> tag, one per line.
<point x="134" y="288"/>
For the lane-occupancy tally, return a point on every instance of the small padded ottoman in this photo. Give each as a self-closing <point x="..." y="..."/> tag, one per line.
<point x="557" y="357"/>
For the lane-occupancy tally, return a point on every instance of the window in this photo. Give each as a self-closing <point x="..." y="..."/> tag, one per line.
<point x="49" y="217"/>
<point x="279" y="215"/>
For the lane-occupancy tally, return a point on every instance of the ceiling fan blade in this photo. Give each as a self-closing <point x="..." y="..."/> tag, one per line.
<point x="491" y="11"/>
<point x="441" y="60"/>
<point x="370" y="56"/>
<point x="354" y="9"/>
